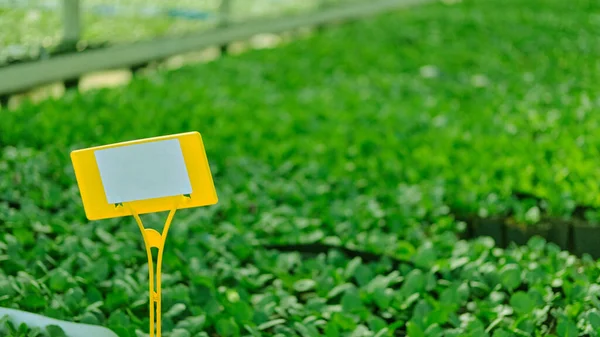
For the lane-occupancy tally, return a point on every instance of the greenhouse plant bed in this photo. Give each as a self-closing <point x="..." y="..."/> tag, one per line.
<point x="559" y="232"/>
<point x="521" y="234"/>
<point x="585" y="239"/>
<point x="469" y="220"/>
<point x="492" y="227"/>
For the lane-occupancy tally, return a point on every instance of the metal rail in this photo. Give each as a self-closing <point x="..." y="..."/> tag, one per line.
<point x="21" y="77"/>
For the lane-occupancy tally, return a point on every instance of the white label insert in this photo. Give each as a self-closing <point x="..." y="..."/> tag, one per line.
<point x="143" y="171"/>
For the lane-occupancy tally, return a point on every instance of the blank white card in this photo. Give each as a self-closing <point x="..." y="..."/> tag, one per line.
<point x="143" y="171"/>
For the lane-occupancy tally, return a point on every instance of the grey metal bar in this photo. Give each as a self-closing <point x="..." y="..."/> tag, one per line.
<point x="20" y="77"/>
<point x="72" y="21"/>
<point x="225" y="13"/>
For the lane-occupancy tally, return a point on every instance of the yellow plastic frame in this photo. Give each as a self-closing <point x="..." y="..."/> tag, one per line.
<point x="92" y="192"/>
<point x="97" y="207"/>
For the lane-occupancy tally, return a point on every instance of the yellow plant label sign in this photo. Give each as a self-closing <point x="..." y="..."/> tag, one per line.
<point x="149" y="175"/>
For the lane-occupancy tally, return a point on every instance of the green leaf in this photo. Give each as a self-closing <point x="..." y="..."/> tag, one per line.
<point x="344" y="321"/>
<point x="437" y="316"/>
<point x="351" y="301"/>
<point x="414" y="282"/>
<point x="363" y="275"/>
<point x="425" y="256"/>
<point x="434" y="330"/>
<point x="382" y="298"/>
<point x="179" y="333"/>
<point x="193" y="324"/>
<point x="410" y="300"/>
<point x="510" y="276"/>
<point x="121" y="331"/>
<point x="89" y="318"/>
<point x="241" y="311"/>
<point x="414" y="330"/>
<point x="306" y="331"/>
<point x="502" y="333"/>
<point x="339" y="289"/>
<point x="566" y="328"/>
<point x="33" y="301"/>
<point x="376" y="323"/>
<point x="304" y="285"/>
<point x="352" y="267"/>
<point x="594" y="319"/>
<point x="383" y="332"/>
<point x="176" y="310"/>
<point x="118" y="318"/>
<point x="226" y="327"/>
<point x="522" y="303"/>
<point x="55" y="331"/>
<point x="270" y="324"/>
<point x="405" y="250"/>
<point x="59" y="280"/>
<point x="74" y="298"/>
<point x="331" y="330"/>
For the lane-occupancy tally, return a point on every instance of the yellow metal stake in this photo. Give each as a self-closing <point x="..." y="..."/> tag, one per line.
<point x="154" y="239"/>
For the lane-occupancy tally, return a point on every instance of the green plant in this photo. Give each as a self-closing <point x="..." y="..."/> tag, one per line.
<point x="560" y="206"/>
<point x="526" y="212"/>
<point x="592" y="216"/>
<point x="492" y="205"/>
<point x="339" y="174"/>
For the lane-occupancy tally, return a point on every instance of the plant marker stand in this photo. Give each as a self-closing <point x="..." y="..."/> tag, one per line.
<point x="154" y="239"/>
<point x="146" y="176"/>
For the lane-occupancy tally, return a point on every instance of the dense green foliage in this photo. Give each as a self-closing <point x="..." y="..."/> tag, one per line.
<point x="367" y="136"/>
